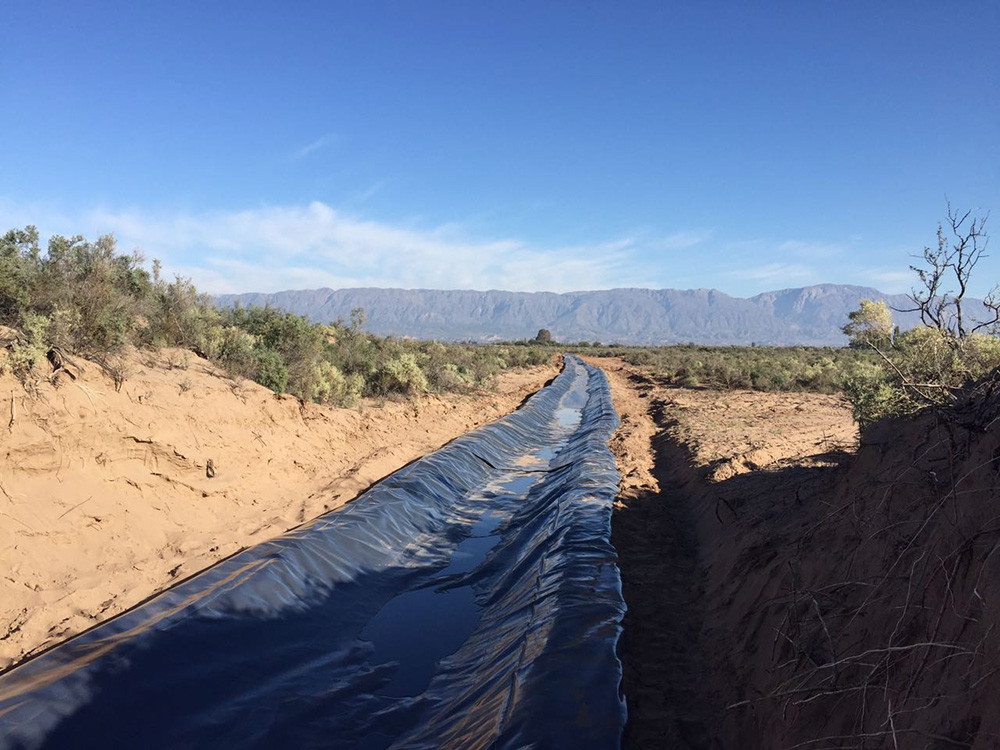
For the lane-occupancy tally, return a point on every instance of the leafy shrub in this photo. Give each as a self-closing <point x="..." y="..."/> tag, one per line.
<point x="89" y="298"/>
<point x="234" y="351"/>
<point x="818" y="369"/>
<point x="402" y="374"/>
<point x="925" y="367"/>
<point x="19" y="261"/>
<point x="180" y="316"/>
<point x="23" y="356"/>
<point x="873" y="396"/>
<point x="336" y="388"/>
<point x="270" y="371"/>
<point x="870" y="324"/>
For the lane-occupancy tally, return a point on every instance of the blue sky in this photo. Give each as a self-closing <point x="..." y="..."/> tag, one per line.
<point x="516" y="145"/>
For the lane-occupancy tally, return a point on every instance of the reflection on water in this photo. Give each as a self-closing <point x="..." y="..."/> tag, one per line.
<point x="568" y="418"/>
<point x="518" y="485"/>
<point x="418" y="629"/>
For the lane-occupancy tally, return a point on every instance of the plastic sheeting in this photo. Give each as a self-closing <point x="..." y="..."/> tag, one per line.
<point x="470" y="600"/>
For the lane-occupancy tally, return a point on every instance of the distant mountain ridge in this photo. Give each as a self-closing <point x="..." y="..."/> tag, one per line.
<point x="809" y="315"/>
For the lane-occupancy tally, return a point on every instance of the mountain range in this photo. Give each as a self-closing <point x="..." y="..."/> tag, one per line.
<point x="809" y="315"/>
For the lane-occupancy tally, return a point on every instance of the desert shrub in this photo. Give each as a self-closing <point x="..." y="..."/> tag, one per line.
<point x="870" y="324"/>
<point x="89" y="298"/>
<point x="402" y="374"/>
<point x="27" y="352"/>
<point x="19" y="261"/>
<point x="452" y="377"/>
<point x="337" y="389"/>
<point x="930" y="365"/>
<point x="62" y="323"/>
<point x="981" y="354"/>
<point x="817" y="369"/>
<point x="235" y="352"/>
<point x="526" y="356"/>
<point x="354" y="351"/>
<point x="873" y="396"/>
<point x="927" y="355"/>
<point x="355" y="387"/>
<point x="178" y="315"/>
<point x="390" y="365"/>
<point x="270" y="370"/>
<point x="290" y="339"/>
<point x="925" y="367"/>
<point x="99" y="291"/>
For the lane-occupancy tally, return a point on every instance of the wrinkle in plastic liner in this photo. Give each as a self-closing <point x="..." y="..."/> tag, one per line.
<point x="471" y="600"/>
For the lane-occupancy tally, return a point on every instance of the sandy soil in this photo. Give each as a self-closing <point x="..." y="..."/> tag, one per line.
<point x="107" y="497"/>
<point x="695" y="465"/>
<point x="735" y="431"/>
<point x="789" y="588"/>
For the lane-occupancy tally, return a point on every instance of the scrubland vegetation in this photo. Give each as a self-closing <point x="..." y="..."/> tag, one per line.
<point x="916" y="368"/>
<point x="884" y="372"/>
<point x="761" y="368"/>
<point x="935" y="364"/>
<point x="87" y="298"/>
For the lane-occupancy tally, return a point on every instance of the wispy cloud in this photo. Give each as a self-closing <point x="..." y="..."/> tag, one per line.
<point x="811" y="250"/>
<point x="283" y="247"/>
<point x="270" y="248"/>
<point x="770" y="272"/>
<point x="322" y="142"/>
<point x="681" y="240"/>
<point x="892" y="281"/>
<point x="362" y="196"/>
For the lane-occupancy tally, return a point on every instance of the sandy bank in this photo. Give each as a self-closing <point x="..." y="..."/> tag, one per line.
<point x="786" y="592"/>
<point x="689" y="459"/>
<point x="108" y="497"/>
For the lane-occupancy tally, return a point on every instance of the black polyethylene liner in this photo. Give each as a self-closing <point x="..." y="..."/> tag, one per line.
<point x="470" y="600"/>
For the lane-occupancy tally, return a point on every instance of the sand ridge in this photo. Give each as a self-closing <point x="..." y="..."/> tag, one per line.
<point x="107" y="497"/>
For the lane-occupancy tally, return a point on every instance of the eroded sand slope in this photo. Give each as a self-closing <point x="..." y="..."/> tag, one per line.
<point x="106" y="498"/>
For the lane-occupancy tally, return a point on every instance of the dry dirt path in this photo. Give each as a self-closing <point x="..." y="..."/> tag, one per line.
<point x="107" y="497"/>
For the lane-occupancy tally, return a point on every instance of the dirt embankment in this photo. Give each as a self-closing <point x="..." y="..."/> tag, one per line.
<point x="107" y="497"/>
<point x="815" y="595"/>
<point x="873" y="621"/>
<point x="691" y="461"/>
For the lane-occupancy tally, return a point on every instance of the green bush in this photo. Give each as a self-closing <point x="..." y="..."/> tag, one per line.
<point x="89" y="298"/>
<point x="338" y="389"/>
<point x="104" y="290"/>
<point x="19" y="263"/>
<point x="817" y="369"/>
<point x="270" y="370"/>
<point x="179" y="316"/>
<point x="234" y="351"/>
<point x="928" y="365"/>
<point x="402" y="374"/>
<point x="873" y="396"/>
<point x="25" y="355"/>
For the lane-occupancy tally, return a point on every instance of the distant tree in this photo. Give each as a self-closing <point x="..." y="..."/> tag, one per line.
<point x="870" y="325"/>
<point x="952" y="262"/>
<point x="358" y="318"/>
<point x="543" y="336"/>
<point x="19" y="263"/>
